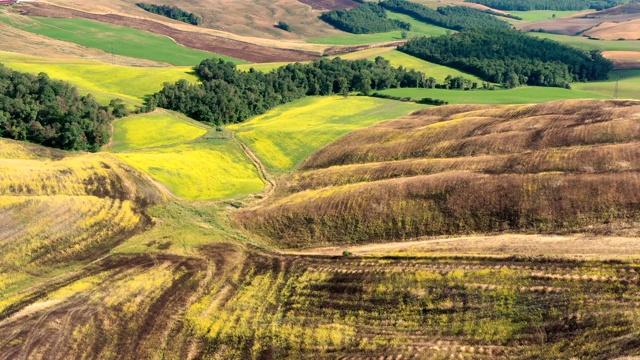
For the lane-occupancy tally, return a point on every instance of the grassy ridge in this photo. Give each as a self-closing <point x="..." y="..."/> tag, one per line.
<point x="286" y="135"/>
<point x="104" y="81"/>
<point x="115" y="39"/>
<point x="439" y="72"/>
<point x="151" y="130"/>
<point x="467" y="169"/>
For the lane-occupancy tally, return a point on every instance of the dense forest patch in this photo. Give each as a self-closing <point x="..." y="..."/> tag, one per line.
<point x="228" y="95"/>
<point x="52" y="113"/>
<point x="172" y="12"/>
<point x="510" y="57"/>
<point x="365" y="19"/>
<point x="450" y="17"/>
<point x="561" y="5"/>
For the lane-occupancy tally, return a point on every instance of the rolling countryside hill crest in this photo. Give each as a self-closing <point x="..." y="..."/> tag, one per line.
<point x="320" y="179"/>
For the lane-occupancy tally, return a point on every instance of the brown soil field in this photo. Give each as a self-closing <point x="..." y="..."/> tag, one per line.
<point x="254" y="18"/>
<point x="623" y="59"/>
<point x="216" y="44"/>
<point x="576" y="25"/>
<point x="559" y="167"/>
<point x="628" y="30"/>
<point x="632" y="8"/>
<point x="324" y="5"/>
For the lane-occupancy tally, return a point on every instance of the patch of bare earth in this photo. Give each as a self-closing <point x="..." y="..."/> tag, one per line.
<point x="624" y="60"/>
<point x="324" y="5"/>
<point x="206" y="42"/>
<point x="570" y="246"/>
<point x="628" y="30"/>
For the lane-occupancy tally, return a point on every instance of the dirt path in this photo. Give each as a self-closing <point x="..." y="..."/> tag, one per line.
<point x="578" y="246"/>
<point x="201" y="41"/>
<point x="265" y="176"/>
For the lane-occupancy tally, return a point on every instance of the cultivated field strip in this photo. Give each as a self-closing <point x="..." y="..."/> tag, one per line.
<point x="418" y="308"/>
<point x="567" y="166"/>
<point x="314" y="307"/>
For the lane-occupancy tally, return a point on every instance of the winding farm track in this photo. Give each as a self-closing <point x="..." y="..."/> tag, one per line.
<point x="201" y="41"/>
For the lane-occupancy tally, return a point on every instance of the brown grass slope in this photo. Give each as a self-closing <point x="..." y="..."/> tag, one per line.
<point x="559" y="167"/>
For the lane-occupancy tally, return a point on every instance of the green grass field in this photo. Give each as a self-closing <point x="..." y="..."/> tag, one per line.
<point x="418" y="28"/>
<point x="588" y="44"/>
<point x="115" y="39"/>
<point x="540" y="15"/>
<point x="210" y="169"/>
<point x="628" y="86"/>
<point x="150" y="130"/>
<point x="286" y="135"/>
<point x="102" y="80"/>
<point x="521" y="95"/>
<point x="439" y="72"/>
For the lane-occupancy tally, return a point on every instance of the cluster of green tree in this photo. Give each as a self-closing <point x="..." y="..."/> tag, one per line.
<point x="560" y="5"/>
<point x="51" y="113"/>
<point x="365" y="19"/>
<point x="284" y="26"/>
<point x="172" y="12"/>
<point x="512" y="58"/>
<point x="228" y="95"/>
<point x="450" y="17"/>
<point x="427" y="100"/>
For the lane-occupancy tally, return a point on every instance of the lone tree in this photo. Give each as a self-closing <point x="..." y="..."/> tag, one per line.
<point x="284" y="26"/>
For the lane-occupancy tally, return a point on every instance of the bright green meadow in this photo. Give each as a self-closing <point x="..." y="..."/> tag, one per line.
<point x="521" y="95"/>
<point x="159" y="128"/>
<point x="286" y="135"/>
<point x="116" y="39"/>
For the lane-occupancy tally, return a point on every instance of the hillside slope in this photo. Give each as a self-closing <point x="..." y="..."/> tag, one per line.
<point x="559" y="167"/>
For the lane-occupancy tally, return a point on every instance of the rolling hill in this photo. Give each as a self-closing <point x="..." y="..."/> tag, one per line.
<point x="324" y="228"/>
<point x="557" y="167"/>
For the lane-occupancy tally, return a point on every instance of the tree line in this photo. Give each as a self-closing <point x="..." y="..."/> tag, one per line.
<point x="365" y="19"/>
<point x="559" y="5"/>
<point x="227" y="95"/>
<point x="172" y="12"/>
<point x="512" y="58"/>
<point x="450" y="17"/>
<point x="51" y="113"/>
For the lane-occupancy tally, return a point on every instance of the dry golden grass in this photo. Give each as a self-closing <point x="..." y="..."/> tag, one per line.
<point x="628" y="30"/>
<point x="558" y="167"/>
<point x="623" y="60"/>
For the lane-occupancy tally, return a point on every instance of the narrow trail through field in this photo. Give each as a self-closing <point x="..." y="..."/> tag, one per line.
<point x="572" y="246"/>
<point x="265" y="176"/>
